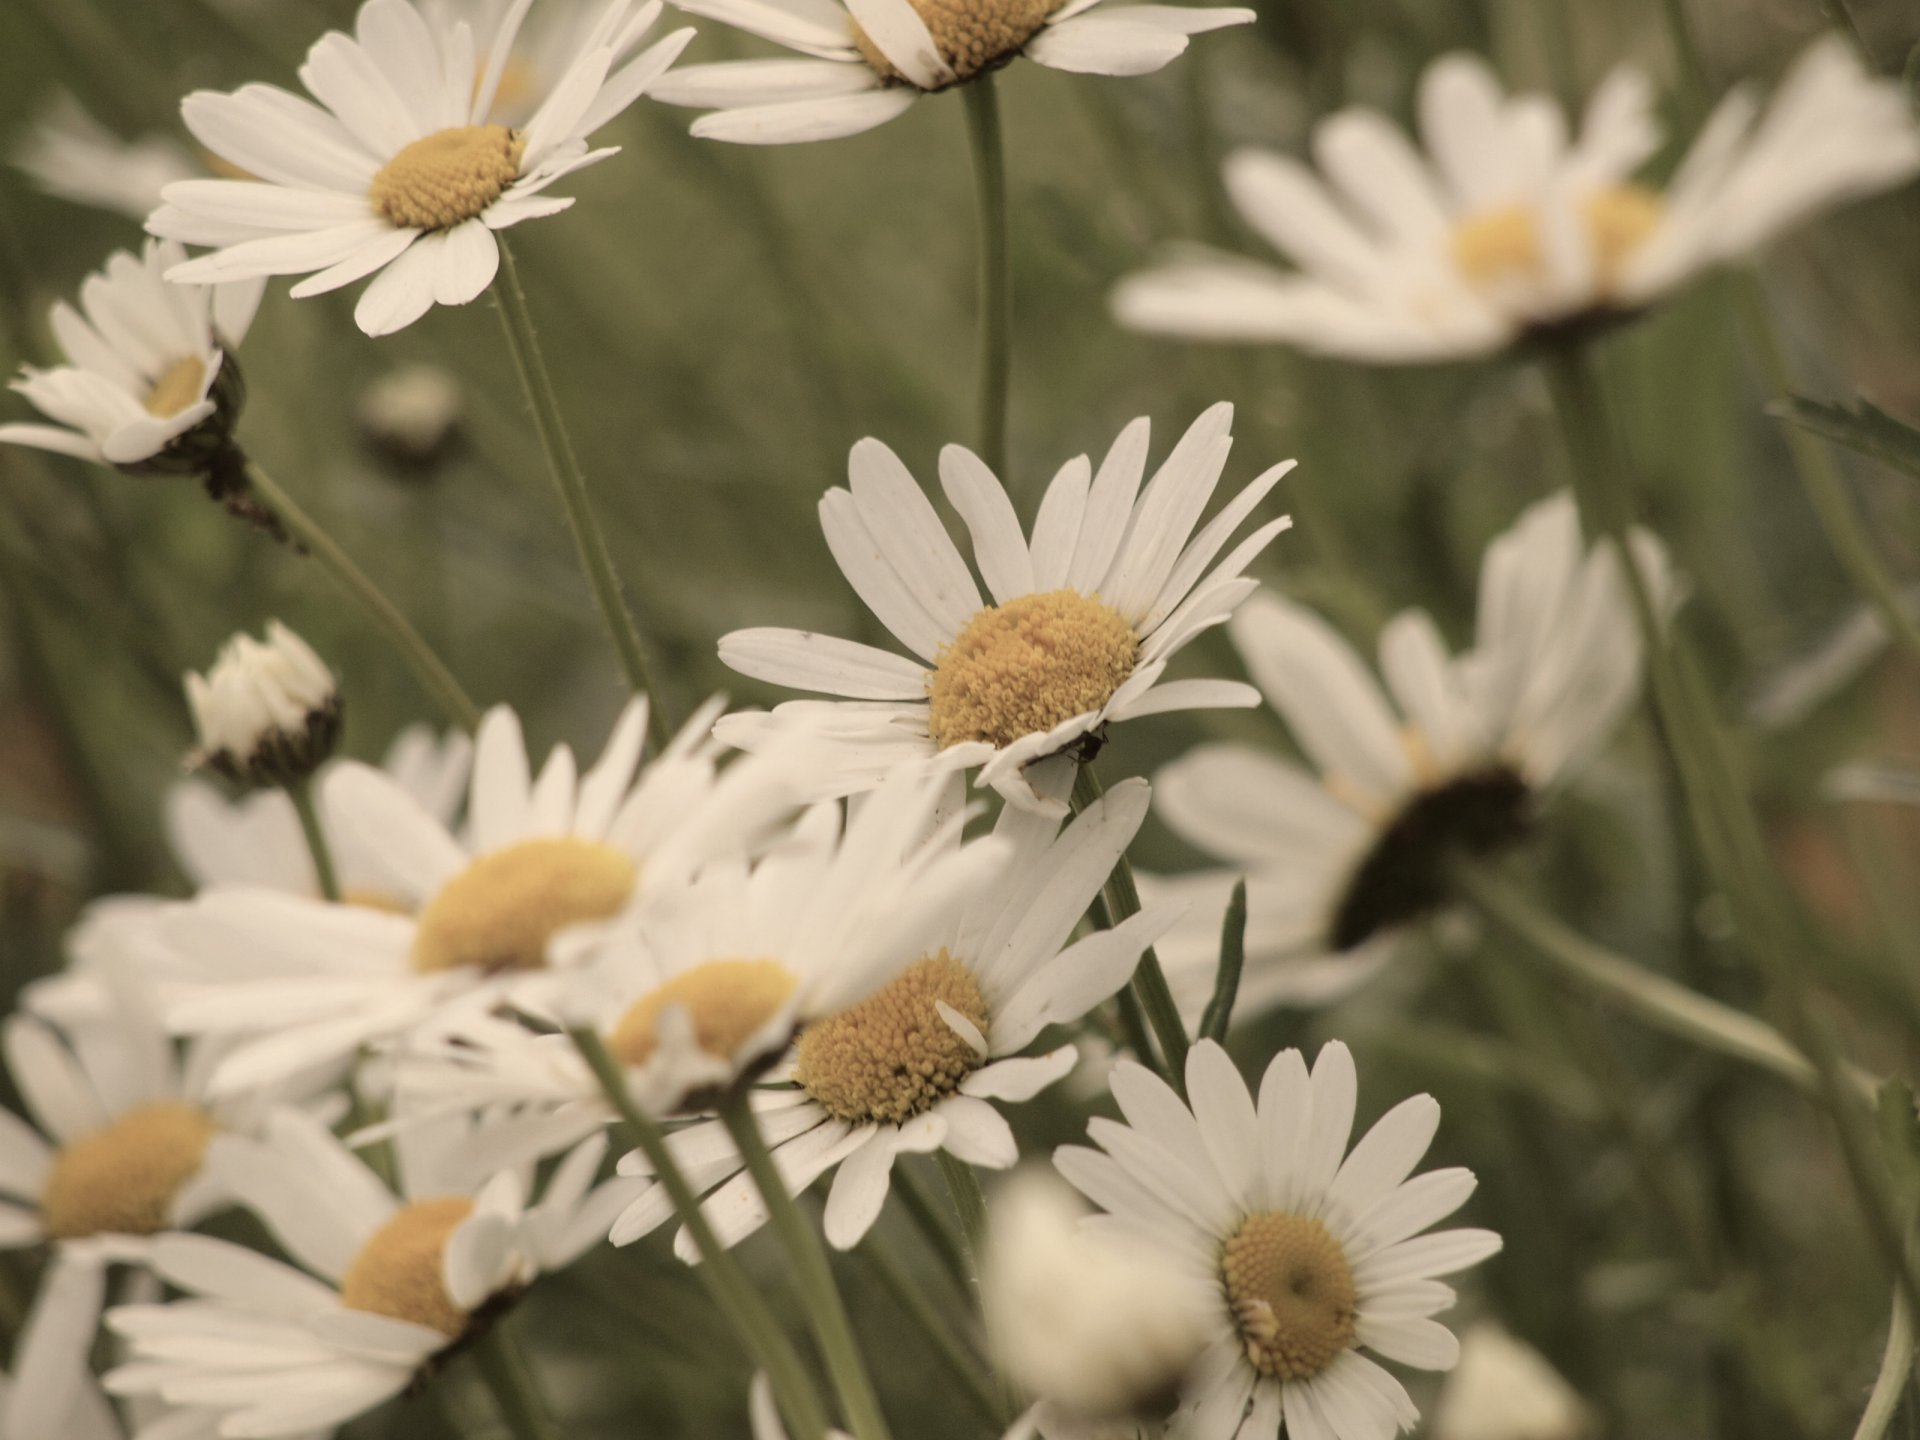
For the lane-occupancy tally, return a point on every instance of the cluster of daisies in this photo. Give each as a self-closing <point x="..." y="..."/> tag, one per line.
<point x="411" y="1016"/>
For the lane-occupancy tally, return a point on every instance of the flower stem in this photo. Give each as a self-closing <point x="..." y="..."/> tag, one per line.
<point x="434" y="677"/>
<point x="1717" y="804"/>
<point x="1149" y="980"/>
<point x="510" y="1379"/>
<point x="300" y="792"/>
<point x="826" y="1311"/>
<point x="935" y="1226"/>
<point x="726" y="1283"/>
<point x="996" y="284"/>
<point x="971" y="1206"/>
<point x="595" y="559"/>
<point x="1896" y="1369"/>
<point x="926" y="1316"/>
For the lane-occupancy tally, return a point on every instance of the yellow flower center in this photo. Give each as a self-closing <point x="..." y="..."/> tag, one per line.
<point x="972" y="35"/>
<point x="1027" y="665"/>
<point x="1291" y="1292"/>
<point x="447" y="177"/>
<point x="400" y="1272"/>
<point x="893" y="1056"/>
<point x="728" y="1000"/>
<point x="1503" y="245"/>
<point x="122" y="1180"/>
<point x="500" y="912"/>
<point x="178" y="388"/>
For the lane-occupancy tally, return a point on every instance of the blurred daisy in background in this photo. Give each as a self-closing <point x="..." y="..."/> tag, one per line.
<point x="402" y="1277"/>
<point x="552" y="33"/>
<point x="399" y="169"/>
<point x="911" y="1068"/>
<point x="70" y="154"/>
<point x="1083" y="622"/>
<point x="1507" y="225"/>
<point x="869" y="60"/>
<point x="455" y="920"/>
<point x="1504" y="1389"/>
<point x="150" y="384"/>
<point x="1341" y="855"/>
<point x="1304" y="1254"/>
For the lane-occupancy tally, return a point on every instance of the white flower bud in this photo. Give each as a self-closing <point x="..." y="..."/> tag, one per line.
<point x="267" y="713"/>
<point x="1096" y="1330"/>
<point x="1504" y="1389"/>
<point x="412" y="415"/>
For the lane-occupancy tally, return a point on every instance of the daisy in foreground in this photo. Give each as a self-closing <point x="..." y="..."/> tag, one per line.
<point x="401" y="1278"/>
<point x="871" y="59"/>
<point x="910" y="1068"/>
<point x="455" y="920"/>
<point x="1083" y="621"/>
<point x="1344" y="855"/>
<point x="149" y="384"/>
<point x="1510" y="227"/>
<point x="399" y="169"/>
<point x="706" y="990"/>
<point x="1305" y="1254"/>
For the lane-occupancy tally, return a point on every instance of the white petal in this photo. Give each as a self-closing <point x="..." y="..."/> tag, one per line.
<point x="799" y="121"/>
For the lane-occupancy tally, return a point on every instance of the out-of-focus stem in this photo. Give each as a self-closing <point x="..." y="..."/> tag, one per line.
<point x="300" y="792"/>
<point x="510" y="1379"/>
<point x="996" y="288"/>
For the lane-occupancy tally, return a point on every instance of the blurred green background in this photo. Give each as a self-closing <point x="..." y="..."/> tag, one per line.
<point x="724" y="322"/>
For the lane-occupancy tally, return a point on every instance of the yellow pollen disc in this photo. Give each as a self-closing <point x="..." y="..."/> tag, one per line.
<point x="499" y="913"/>
<point x="1027" y="665"/>
<point x="892" y="1056"/>
<point x="122" y="1180"/>
<point x="177" y="389"/>
<point x="1502" y="245"/>
<point x="1291" y="1292"/>
<point x="400" y="1271"/>
<point x="450" y="176"/>
<point x="971" y="34"/>
<point x="728" y="1000"/>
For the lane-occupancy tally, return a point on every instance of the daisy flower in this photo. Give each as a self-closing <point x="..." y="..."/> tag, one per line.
<point x="383" y="1283"/>
<point x="1304" y="1253"/>
<point x="706" y="989"/>
<point x="295" y="981"/>
<point x="911" y="1068"/>
<point x="70" y="154"/>
<point x="1507" y="226"/>
<point x="116" y="1157"/>
<point x="267" y="713"/>
<point x="150" y="384"/>
<point x="1083" y="621"/>
<point x="869" y="60"/>
<point x="544" y="46"/>
<point x="1343" y="854"/>
<point x="399" y="169"/>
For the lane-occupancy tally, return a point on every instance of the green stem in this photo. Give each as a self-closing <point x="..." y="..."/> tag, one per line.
<point x="434" y="677"/>
<point x="510" y="1379"/>
<point x="300" y="792"/>
<point x="1662" y="1003"/>
<point x="1721" y="813"/>
<point x="996" y="284"/>
<point x="826" y="1311"/>
<point x="935" y="1225"/>
<point x="1218" y="1015"/>
<point x="1149" y="980"/>
<point x="971" y="1205"/>
<point x="588" y="539"/>
<point x="927" y="1318"/>
<point x="1896" y="1369"/>
<point x="726" y="1283"/>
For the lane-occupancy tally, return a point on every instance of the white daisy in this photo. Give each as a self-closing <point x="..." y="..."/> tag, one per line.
<point x="705" y="989"/>
<point x="267" y="712"/>
<point x="1306" y="1254"/>
<point x="295" y="981"/>
<point x="1510" y="226"/>
<point x="544" y="46"/>
<point x="1083" y="622"/>
<point x="1341" y="855"/>
<point x="399" y="168"/>
<point x="401" y="1277"/>
<point x="70" y="154"/>
<point x="871" y="59"/>
<point x="150" y="384"/>
<point x="911" y="1068"/>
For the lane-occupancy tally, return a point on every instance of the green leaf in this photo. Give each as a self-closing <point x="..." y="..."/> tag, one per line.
<point x="1233" y="954"/>
<point x="1870" y="430"/>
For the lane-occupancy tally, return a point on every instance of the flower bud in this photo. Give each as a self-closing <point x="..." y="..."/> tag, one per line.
<point x="1504" y="1389"/>
<point x="267" y="714"/>
<point x="412" y="416"/>
<point x="1099" y="1332"/>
